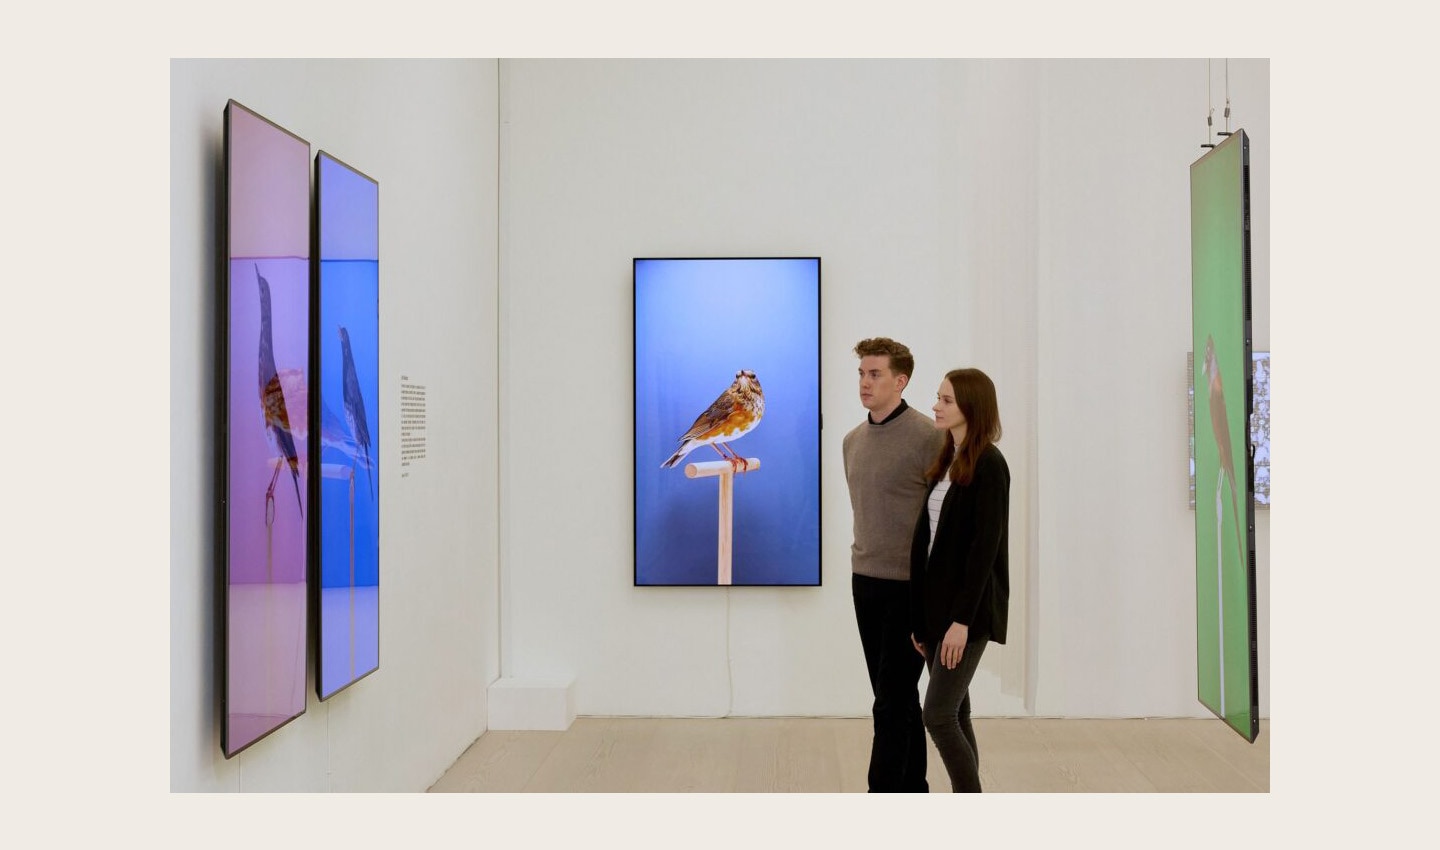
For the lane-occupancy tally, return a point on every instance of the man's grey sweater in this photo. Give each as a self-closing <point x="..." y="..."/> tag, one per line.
<point x="885" y="467"/>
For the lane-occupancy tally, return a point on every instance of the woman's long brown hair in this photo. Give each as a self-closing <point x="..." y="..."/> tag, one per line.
<point x="975" y="396"/>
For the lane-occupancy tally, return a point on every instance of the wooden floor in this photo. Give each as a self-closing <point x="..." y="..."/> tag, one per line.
<point x="804" y="754"/>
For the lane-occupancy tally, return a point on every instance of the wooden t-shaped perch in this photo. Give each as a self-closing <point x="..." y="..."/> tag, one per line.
<point x="725" y="471"/>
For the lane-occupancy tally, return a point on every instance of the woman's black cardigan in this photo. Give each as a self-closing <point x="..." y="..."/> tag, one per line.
<point x="966" y="576"/>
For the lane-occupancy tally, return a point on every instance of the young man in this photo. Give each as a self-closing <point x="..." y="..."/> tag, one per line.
<point x="885" y="461"/>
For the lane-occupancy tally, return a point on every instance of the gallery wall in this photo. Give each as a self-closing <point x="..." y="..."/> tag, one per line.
<point x="606" y="161"/>
<point x="1029" y="218"/>
<point x="427" y="132"/>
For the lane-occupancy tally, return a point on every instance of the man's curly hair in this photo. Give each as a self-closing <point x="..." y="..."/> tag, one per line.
<point x="902" y="362"/>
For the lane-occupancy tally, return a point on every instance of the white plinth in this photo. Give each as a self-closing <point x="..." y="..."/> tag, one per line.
<point x="541" y="704"/>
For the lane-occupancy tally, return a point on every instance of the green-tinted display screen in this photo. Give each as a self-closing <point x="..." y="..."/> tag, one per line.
<point x="1224" y="499"/>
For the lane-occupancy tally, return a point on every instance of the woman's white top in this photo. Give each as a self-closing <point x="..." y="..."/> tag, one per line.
<point x="937" y="499"/>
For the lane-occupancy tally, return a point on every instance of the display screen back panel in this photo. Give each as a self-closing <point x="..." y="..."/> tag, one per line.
<point x="266" y="349"/>
<point x="347" y="419"/>
<point x="1226" y="644"/>
<point x="699" y="322"/>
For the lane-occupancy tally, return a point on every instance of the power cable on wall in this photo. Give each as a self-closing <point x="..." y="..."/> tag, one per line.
<point x="729" y="660"/>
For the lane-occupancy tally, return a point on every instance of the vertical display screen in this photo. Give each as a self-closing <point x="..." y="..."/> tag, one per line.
<point x="1226" y="645"/>
<point x="347" y="337"/>
<point x="727" y="421"/>
<point x="266" y="349"/>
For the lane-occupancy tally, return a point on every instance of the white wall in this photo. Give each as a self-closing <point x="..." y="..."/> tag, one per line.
<point x="427" y="131"/>
<point x="606" y="161"/>
<point x="1031" y="218"/>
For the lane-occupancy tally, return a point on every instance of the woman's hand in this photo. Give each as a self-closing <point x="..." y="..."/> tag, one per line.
<point x="919" y="647"/>
<point x="953" y="646"/>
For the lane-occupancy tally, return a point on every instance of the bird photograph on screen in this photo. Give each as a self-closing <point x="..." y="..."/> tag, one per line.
<point x="264" y="508"/>
<point x="733" y="415"/>
<point x="348" y="392"/>
<point x="745" y="510"/>
<point x="1225" y="478"/>
<point x="276" y="409"/>
<point x="359" y="430"/>
<point x="1221" y="374"/>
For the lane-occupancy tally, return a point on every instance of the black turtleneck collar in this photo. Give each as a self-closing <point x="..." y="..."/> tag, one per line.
<point x="899" y="409"/>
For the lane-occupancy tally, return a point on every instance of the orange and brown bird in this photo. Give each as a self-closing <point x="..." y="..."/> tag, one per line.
<point x="1220" y="427"/>
<point x="733" y="415"/>
<point x="272" y="404"/>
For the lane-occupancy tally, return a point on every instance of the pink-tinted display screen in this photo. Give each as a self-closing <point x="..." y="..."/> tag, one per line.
<point x="266" y="351"/>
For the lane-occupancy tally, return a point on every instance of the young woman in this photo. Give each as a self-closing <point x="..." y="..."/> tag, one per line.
<point x="959" y="565"/>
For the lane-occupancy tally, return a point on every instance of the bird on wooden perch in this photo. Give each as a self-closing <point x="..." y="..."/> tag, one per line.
<point x="1220" y="427"/>
<point x="334" y="433"/>
<point x="733" y="415"/>
<point x="355" y="404"/>
<point x="272" y="404"/>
